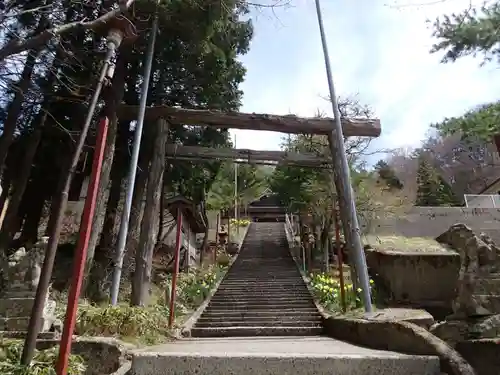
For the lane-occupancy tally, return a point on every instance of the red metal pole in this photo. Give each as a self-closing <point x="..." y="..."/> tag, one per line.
<point x="339" y="260"/>
<point x="81" y="249"/>
<point x="176" y="268"/>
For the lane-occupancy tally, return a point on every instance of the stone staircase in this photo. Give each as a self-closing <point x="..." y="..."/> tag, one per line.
<point x="262" y="321"/>
<point x="263" y="293"/>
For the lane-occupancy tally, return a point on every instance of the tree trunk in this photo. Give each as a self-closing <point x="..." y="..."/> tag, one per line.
<point x="55" y="201"/>
<point x="102" y="265"/>
<point x="32" y="208"/>
<point x="5" y="194"/>
<point x="9" y="226"/>
<point x="118" y="87"/>
<point x="14" y="109"/>
<point x="137" y="201"/>
<point x="149" y="226"/>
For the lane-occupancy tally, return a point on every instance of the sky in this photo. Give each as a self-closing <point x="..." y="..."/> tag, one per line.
<point x="379" y="53"/>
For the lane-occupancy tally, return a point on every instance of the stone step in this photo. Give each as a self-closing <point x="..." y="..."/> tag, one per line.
<point x="237" y="318"/>
<point x="265" y="296"/>
<point x="262" y="285"/>
<point x="258" y="323"/>
<point x="259" y="300"/>
<point x="256" y="331"/>
<point x="261" y="297"/>
<point x="262" y="305"/>
<point x="174" y="363"/>
<point x="260" y="313"/>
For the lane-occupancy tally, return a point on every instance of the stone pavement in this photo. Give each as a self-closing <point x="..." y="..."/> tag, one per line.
<point x="276" y="355"/>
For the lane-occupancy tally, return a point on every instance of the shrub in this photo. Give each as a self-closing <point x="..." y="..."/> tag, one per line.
<point x="195" y="286"/>
<point x="43" y="363"/>
<point x="328" y="292"/>
<point x="223" y="259"/>
<point x="146" y="324"/>
<point x="240" y="223"/>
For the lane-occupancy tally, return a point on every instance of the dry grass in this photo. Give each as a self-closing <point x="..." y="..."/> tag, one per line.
<point x="405" y="244"/>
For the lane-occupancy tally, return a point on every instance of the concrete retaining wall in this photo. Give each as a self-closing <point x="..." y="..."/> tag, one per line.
<point x="403" y="337"/>
<point x="103" y="356"/>
<point x="432" y="221"/>
<point x="416" y="279"/>
<point x="483" y="355"/>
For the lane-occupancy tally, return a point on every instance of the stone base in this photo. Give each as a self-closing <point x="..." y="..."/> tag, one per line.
<point x="21" y="324"/>
<point x="15" y="307"/>
<point x="416" y="316"/>
<point x="455" y="331"/>
<point x="22" y="335"/>
<point x="15" y="314"/>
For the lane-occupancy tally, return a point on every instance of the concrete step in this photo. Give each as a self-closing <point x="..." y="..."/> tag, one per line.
<point x="258" y="323"/>
<point x="260" y="313"/>
<point x="259" y="364"/>
<point x="259" y="299"/>
<point x="263" y="286"/>
<point x="256" y="331"/>
<point x="261" y="306"/>
<point x="244" y="318"/>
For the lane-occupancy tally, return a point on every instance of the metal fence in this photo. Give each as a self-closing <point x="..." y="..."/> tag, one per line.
<point x="482" y="201"/>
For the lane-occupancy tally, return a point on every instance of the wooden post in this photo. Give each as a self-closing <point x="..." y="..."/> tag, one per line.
<point x="218" y="228"/>
<point x="171" y="316"/>
<point x="340" y="263"/>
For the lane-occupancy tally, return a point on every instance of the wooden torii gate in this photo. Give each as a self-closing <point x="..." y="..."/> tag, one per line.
<point x="252" y="121"/>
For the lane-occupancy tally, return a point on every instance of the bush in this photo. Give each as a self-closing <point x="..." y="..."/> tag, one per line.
<point x="195" y="286"/>
<point x="328" y="293"/>
<point x="43" y="363"/>
<point x="240" y="223"/>
<point x="223" y="259"/>
<point x="146" y="324"/>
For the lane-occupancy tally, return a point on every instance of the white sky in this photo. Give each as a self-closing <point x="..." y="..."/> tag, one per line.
<point x="377" y="51"/>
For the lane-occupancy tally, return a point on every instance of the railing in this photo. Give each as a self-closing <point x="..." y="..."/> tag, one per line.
<point x="482" y="201"/>
<point x="292" y="234"/>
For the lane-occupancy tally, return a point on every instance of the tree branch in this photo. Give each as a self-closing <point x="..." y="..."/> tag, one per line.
<point x="17" y="46"/>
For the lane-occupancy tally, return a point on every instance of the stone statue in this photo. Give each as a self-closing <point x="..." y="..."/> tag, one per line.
<point x="476" y="309"/>
<point x="22" y="269"/>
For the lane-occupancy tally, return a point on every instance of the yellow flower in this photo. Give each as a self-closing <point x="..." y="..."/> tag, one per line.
<point x="359" y="290"/>
<point x="371" y="281"/>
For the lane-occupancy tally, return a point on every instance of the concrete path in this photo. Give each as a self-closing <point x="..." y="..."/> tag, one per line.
<point x="276" y="355"/>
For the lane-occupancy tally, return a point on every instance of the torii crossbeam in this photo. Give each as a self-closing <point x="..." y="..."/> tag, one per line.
<point x="254" y="121"/>
<point x="196" y="153"/>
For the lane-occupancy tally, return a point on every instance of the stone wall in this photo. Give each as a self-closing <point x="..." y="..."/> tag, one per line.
<point x="483" y="355"/>
<point x="103" y="356"/>
<point x="419" y="279"/>
<point x="432" y="221"/>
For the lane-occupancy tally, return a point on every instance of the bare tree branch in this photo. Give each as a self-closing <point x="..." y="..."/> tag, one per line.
<point x="38" y="41"/>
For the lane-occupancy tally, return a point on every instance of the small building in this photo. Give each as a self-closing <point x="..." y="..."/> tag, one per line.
<point x="194" y="225"/>
<point x="266" y="208"/>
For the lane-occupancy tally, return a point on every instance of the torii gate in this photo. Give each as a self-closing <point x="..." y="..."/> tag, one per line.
<point x="285" y="124"/>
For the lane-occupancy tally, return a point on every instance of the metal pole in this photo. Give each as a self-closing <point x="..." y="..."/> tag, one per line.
<point x="50" y="254"/>
<point x="125" y="217"/>
<point x="340" y="262"/>
<point x="337" y="147"/>
<point x="177" y="256"/>
<point x="236" y="193"/>
<point x="81" y="250"/>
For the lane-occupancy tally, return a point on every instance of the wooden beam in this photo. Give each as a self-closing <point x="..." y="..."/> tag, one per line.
<point x="196" y="153"/>
<point x="254" y="121"/>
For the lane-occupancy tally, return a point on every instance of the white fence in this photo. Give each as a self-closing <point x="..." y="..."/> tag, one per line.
<point x="482" y="201"/>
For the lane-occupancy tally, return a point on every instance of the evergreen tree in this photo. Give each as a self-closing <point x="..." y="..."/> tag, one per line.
<point x="432" y="190"/>
<point x="387" y="174"/>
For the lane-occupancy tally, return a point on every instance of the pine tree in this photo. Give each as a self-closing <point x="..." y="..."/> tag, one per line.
<point x="387" y="174"/>
<point x="432" y="189"/>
